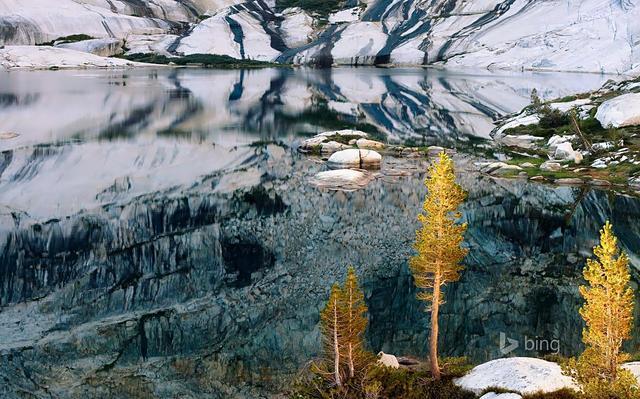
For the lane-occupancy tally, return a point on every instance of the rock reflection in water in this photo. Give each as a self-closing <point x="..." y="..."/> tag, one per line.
<point x="194" y="262"/>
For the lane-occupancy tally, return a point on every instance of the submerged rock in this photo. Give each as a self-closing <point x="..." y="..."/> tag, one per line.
<point x="356" y="158"/>
<point x="620" y="111"/>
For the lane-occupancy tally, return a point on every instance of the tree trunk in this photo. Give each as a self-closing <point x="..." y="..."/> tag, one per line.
<point x="433" y="341"/>
<point x="351" y="366"/>
<point x="336" y="349"/>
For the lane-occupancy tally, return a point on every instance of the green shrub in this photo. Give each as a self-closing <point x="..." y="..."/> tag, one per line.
<point x="383" y="383"/>
<point x="552" y="118"/>
<point x="68" y="39"/>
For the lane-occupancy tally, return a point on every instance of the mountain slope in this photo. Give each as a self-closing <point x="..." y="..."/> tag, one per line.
<point x="589" y="36"/>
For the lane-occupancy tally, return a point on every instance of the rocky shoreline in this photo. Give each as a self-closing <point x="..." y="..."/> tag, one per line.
<point x="588" y="139"/>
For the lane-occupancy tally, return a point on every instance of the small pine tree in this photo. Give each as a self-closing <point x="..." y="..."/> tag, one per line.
<point x="536" y="102"/>
<point x="343" y="323"/>
<point x="438" y="244"/>
<point x="354" y="312"/>
<point x="608" y="314"/>
<point x="331" y="326"/>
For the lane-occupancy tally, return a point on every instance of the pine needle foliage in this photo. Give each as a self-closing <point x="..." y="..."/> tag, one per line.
<point x="343" y="323"/>
<point x="438" y="244"/>
<point x="608" y="314"/>
<point x="354" y="312"/>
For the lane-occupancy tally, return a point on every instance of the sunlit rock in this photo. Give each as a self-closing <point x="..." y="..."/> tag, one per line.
<point x="356" y="158"/>
<point x="369" y="144"/>
<point x="342" y="179"/>
<point x="518" y="374"/>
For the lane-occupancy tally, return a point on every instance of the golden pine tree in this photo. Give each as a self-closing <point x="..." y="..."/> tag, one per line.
<point x="354" y="315"/>
<point x="608" y="308"/>
<point x="331" y="327"/>
<point x="438" y="244"/>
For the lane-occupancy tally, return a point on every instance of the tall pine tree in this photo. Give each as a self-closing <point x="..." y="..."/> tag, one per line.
<point x="438" y="244"/>
<point x="608" y="307"/>
<point x="354" y="312"/>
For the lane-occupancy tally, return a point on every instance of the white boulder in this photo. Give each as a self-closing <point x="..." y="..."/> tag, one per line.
<point x="518" y="374"/>
<point x="620" y="111"/>
<point x="493" y="395"/>
<point x="103" y="47"/>
<point x="347" y="179"/>
<point x="356" y="158"/>
<point x="565" y="151"/>
<point x="388" y="360"/>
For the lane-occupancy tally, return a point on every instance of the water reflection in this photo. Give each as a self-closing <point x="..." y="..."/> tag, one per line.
<point x="134" y="216"/>
<point x="266" y="104"/>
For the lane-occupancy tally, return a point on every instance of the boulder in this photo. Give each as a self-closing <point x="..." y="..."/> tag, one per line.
<point x="565" y="151"/>
<point x="518" y="374"/>
<point x="314" y="144"/>
<point x="103" y="47"/>
<point x="599" y="182"/>
<point x="434" y="150"/>
<point x="493" y="395"/>
<point x="550" y="166"/>
<point x="369" y="144"/>
<point x="570" y="181"/>
<point x="620" y="111"/>
<point x="348" y="179"/>
<point x="332" y="146"/>
<point x="499" y="168"/>
<point x="388" y="360"/>
<point x="356" y="158"/>
<point x="528" y="165"/>
<point x="634" y="182"/>
<point x="525" y="141"/>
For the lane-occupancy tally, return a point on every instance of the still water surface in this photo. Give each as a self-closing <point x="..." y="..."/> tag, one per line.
<point x="128" y="192"/>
